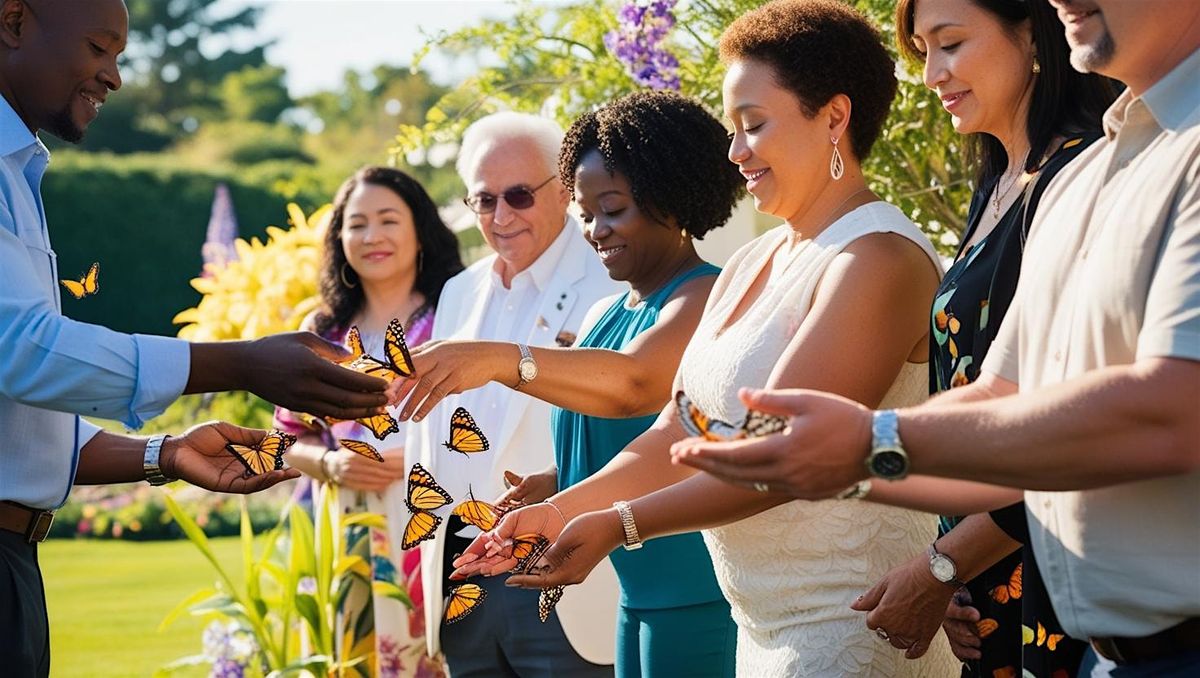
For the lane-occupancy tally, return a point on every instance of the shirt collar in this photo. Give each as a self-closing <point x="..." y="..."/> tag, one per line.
<point x="14" y="133"/>
<point x="1172" y="101"/>
<point x="541" y="271"/>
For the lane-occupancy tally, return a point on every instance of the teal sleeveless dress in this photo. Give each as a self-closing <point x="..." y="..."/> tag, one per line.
<point x="673" y="619"/>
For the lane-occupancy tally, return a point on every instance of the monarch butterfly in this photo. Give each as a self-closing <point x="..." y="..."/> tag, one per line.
<point x="478" y="513"/>
<point x="361" y="448"/>
<point x="89" y="283"/>
<point x="465" y="436"/>
<point x="397" y="360"/>
<point x="463" y="601"/>
<point x="424" y="495"/>
<point x="264" y="456"/>
<point x="1010" y="591"/>
<point x="698" y="424"/>
<point x="1050" y="640"/>
<point x="381" y="425"/>
<point x="527" y="549"/>
<point x="354" y="343"/>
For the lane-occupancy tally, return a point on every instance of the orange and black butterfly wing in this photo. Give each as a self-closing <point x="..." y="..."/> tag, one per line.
<point x="424" y="493"/>
<point x="395" y="350"/>
<point x="373" y="367"/>
<point x="360" y="448"/>
<point x="354" y="343"/>
<point x="463" y="601"/>
<point x="478" y="513"/>
<point x="266" y="455"/>
<point x="760" y="424"/>
<point x="381" y="425"/>
<point x="526" y="549"/>
<point x="421" y="526"/>
<point x="465" y="436"/>
<point x="697" y="424"/>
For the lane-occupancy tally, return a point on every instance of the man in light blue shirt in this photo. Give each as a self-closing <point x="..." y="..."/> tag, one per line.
<point x="58" y="63"/>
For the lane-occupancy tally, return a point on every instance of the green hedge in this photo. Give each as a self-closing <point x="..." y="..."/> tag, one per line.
<point x="144" y="219"/>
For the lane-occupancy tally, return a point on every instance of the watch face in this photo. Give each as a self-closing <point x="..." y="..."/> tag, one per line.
<point x="528" y="370"/>
<point x="943" y="568"/>
<point x="889" y="463"/>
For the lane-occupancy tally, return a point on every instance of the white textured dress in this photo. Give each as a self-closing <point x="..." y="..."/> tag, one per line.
<point x="790" y="573"/>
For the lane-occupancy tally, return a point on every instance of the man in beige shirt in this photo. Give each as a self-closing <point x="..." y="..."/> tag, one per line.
<point x="1090" y="397"/>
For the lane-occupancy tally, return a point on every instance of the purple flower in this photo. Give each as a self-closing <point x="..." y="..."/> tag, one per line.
<point x="226" y="668"/>
<point x="642" y="28"/>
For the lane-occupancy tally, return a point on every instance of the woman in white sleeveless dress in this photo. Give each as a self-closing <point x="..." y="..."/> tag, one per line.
<point x="833" y="299"/>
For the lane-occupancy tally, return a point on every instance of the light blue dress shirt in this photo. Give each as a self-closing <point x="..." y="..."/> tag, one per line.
<point x="53" y="369"/>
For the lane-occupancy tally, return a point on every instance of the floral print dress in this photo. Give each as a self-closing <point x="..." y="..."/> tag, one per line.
<point x="386" y="632"/>
<point x="1020" y="634"/>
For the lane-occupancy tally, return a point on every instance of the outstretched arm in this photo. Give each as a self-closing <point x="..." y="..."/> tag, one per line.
<point x="634" y="381"/>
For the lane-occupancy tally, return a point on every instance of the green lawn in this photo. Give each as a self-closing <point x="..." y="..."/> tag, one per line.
<point x="107" y="598"/>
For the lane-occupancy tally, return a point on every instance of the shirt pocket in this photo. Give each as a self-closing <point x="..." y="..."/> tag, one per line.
<point x="45" y="263"/>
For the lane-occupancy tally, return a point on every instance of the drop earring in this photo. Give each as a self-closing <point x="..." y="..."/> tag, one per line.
<point x="836" y="166"/>
<point x="1037" y="67"/>
<point x="346" y="281"/>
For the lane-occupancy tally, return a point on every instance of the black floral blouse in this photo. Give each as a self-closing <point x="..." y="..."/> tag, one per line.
<point x="1021" y="635"/>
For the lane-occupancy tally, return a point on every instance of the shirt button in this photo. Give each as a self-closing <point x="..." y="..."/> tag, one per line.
<point x="1047" y="503"/>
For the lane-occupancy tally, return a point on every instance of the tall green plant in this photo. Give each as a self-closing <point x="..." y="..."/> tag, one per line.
<point x="291" y="588"/>
<point x="554" y="61"/>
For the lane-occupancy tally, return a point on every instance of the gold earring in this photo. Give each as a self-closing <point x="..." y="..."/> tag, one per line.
<point x="342" y="273"/>
<point x="1037" y="67"/>
<point x="836" y="166"/>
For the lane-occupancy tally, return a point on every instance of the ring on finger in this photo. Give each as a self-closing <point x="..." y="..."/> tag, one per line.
<point x="762" y="487"/>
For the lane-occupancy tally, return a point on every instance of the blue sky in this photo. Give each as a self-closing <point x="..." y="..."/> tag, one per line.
<point x="317" y="40"/>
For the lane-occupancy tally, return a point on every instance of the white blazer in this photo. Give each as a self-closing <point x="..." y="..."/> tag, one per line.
<point x="525" y="444"/>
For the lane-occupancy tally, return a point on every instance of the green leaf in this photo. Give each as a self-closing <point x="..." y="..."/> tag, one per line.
<point x="196" y="536"/>
<point x="365" y="518"/>
<point x="184" y="606"/>
<point x="390" y="590"/>
<point x="316" y="664"/>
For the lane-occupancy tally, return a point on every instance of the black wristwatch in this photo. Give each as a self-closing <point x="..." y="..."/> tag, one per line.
<point x="887" y="459"/>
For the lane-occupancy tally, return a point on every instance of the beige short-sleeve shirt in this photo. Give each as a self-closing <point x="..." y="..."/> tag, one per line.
<point x="1111" y="275"/>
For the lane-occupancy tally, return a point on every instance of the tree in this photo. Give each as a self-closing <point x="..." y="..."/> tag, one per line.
<point x="566" y="60"/>
<point x="170" y="84"/>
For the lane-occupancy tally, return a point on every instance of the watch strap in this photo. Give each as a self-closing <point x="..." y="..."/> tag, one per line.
<point x="150" y="460"/>
<point x="633" y="541"/>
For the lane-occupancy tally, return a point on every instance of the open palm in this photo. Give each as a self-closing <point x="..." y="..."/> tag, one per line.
<point x="199" y="457"/>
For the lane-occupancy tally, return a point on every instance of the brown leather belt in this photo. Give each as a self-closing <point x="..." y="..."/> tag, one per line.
<point x="1180" y="638"/>
<point x="31" y="523"/>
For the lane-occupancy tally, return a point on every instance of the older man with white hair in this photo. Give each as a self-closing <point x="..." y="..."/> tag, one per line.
<point x="533" y="291"/>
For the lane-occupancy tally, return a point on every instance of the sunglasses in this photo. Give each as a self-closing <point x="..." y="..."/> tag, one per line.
<point x="517" y="197"/>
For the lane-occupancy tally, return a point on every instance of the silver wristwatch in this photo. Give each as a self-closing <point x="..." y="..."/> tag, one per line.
<point x="942" y="567"/>
<point x="633" y="541"/>
<point x="154" y="474"/>
<point x="527" y="369"/>
<point x="887" y="459"/>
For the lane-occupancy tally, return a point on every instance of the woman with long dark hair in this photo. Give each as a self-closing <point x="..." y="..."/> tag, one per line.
<point x="387" y="255"/>
<point x="1001" y="70"/>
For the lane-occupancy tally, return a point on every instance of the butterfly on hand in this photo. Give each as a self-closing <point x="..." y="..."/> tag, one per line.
<point x="360" y="448"/>
<point x="463" y="601"/>
<point x="380" y="425"/>
<point x="465" y="436"/>
<point x="88" y="284"/>
<point x="397" y="362"/>
<point x="478" y="513"/>
<point x="527" y="549"/>
<point x="700" y="425"/>
<point x="424" y="496"/>
<point x="266" y="455"/>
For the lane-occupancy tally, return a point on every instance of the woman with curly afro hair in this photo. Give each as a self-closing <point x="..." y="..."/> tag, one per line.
<point x="650" y="175"/>
<point x="835" y="298"/>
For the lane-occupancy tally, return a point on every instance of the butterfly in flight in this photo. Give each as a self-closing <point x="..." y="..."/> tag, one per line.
<point x="423" y="497"/>
<point x="478" y="513"/>
<point x="264" y="456"/>
<point x="360" y="448"/>
<point x="397" y="361"/>
<point x="465" y="436"/>
<point x="700" y="425"/>
<point x="463" y="601"/>
<point x="86" y="285"/>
